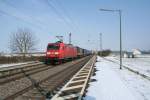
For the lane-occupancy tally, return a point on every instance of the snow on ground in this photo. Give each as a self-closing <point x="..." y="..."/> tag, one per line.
<point x="115" y="84"/>
<point x="139" y="64"/>
<point x="13" y="64"/>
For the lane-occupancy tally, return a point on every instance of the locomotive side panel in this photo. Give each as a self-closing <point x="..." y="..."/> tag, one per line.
<point x="60" y="51"/>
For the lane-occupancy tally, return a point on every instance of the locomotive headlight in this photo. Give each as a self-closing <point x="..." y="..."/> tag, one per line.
<point x="56" y="53"/>
<point x="48" y="53"/>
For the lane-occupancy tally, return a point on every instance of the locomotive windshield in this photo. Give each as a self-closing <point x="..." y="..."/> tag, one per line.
<point x="52" y="47"/>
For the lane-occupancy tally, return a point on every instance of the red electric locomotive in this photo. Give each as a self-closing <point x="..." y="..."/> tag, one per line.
<point x="59" y="51"/>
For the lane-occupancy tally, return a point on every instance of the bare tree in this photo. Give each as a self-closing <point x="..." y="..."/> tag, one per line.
<point x="22" y="41"/>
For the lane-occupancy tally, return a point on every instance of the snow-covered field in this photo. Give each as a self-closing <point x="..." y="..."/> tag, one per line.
<point x="115" y="84"/>
<point x="14" y="64"/>
<point x="141" y="65"/>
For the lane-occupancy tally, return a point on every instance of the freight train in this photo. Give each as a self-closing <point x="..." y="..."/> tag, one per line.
<point x="60" y="52"/>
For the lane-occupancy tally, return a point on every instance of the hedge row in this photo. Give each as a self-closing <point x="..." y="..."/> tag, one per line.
<point x="104" y="53"/>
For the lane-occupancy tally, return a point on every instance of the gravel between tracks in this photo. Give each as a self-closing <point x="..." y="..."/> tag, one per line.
<point x="15" y="86"/>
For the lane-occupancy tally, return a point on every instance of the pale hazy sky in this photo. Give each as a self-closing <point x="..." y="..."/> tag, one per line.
<point x="49" y="18"/>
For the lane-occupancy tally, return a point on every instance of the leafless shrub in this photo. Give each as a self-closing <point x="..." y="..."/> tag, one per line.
<point x="22" y="41"/>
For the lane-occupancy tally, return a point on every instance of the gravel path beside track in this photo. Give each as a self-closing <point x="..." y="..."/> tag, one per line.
<point x="12" y="89"/>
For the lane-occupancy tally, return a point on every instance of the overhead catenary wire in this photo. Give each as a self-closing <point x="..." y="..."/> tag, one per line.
<point x="31" y="20"/>
<point x="14" y="16"/>
<point x="66" y="14"/>
<point x="59" y="14"/>
<point x="38" y="24"/>
<point x="71" y="22"/>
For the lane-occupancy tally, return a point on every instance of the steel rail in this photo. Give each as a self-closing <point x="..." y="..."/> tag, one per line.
<point x="37" y="84"/>
<point x="75" y="88"/>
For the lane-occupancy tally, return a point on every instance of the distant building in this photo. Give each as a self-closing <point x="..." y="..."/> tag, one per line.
<point x="136" y="52"/>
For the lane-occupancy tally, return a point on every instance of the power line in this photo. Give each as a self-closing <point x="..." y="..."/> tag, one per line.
<point x="10" y="15"/>
<point x="21" y="19"/>
<point x="59" y="14"/>
<point x="66" y="14"/>
<point x="29" y="16"/>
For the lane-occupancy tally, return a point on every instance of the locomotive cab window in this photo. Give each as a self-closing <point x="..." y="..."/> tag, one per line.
<point x="52" y="47"/>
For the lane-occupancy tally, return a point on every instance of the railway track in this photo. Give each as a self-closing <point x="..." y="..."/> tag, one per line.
<point x="11" y="70"/>
<point x="75" y="88"/>
<point x="130" y="69"/>
<point x="14" y="73"/>
<point x="45" y="83"/>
